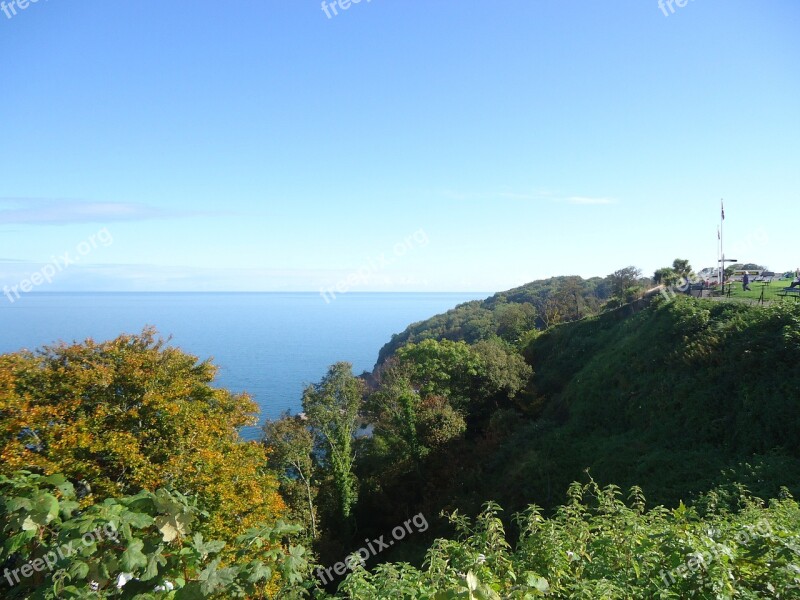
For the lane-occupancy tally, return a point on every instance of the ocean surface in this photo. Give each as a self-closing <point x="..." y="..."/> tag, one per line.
<point x="270" y="345"/>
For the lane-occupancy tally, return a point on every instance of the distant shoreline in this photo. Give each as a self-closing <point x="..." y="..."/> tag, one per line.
<point x="109" y="293"/>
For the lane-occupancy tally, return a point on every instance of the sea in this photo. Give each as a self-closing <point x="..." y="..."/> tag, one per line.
<point x="270" y="345"/>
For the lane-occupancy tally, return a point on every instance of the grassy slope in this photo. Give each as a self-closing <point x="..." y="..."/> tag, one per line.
<point x="678" y="398"/>
<point x="771" y="291"/>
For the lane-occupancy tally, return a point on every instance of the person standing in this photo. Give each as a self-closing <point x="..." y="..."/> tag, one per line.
<point x="746" y="281"/>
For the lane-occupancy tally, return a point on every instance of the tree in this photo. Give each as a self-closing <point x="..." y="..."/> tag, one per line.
<point x="131" y="414"/>
<point x="570" y="295"/>
<point x="332" y="407"/>
<point x="503" y="373"/>
<point x="439" y="423"/>
<point x="290" y="444"/>
<point x="625" y="283"/>
<point x="441" y="368"/>
<point x="393" y="409"/>
<point x="551" y="311"/>
<point x="679" y="274"/>
<point x="665" y="276"/>
<point x="682" y="268"/>
<point x="623" y="279"/>
<point x="514" y="320"/>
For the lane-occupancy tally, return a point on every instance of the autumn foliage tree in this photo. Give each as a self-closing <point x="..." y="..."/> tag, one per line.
<point x="134" y="413"/>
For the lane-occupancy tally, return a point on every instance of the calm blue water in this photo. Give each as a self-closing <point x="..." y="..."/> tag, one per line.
<point x="269" y="345"/>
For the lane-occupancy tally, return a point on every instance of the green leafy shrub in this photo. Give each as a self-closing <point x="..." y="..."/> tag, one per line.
<point x="137" y="547"/>
<point x="597" y="546"/>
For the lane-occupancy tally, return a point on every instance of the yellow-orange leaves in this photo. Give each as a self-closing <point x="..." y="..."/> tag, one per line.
<point x="134" y="413"/>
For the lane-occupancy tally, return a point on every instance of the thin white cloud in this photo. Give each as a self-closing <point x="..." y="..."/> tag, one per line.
<point x="122" y="277"/>
<point x="46" y="211"/>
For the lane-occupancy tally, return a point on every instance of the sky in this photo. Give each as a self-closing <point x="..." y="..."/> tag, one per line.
<point x="275" y="145"/>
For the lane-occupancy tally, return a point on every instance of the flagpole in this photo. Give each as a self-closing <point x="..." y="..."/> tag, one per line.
<point x="721" y="246"/>
<point x="719" y="254"/>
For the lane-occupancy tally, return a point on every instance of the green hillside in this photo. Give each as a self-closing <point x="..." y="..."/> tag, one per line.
<point x="685" y="402"/>
<point x="678" y="397"/>
<point x="690" y="387"/>
<point x="648" y="451"/>
<point x="510" y="314"/>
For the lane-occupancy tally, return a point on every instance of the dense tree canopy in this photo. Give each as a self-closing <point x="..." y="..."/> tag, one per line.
<point x="442" y="368"/>
<point x="510" y="315"/>
<point x="134" y="413"/>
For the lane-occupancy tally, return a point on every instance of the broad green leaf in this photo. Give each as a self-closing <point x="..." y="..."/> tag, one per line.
<point x="133" y="558"/>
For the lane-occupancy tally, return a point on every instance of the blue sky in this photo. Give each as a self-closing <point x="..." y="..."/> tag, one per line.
<point x="430" y="146"/>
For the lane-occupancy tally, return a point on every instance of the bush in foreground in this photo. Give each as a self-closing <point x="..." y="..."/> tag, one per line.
<point x="137" y="547"/>
<point x="598" y="547"/>
<point x="594" y="547"/>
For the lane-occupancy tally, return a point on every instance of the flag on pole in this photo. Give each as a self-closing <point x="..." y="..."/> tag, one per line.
<point x="722" y="204"/>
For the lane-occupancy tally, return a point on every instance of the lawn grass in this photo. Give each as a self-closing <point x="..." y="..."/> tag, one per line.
<point x="771" y="291"/>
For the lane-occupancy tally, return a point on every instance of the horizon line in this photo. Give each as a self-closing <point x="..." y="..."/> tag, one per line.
<point x="54" y="292"/>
